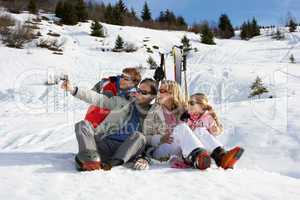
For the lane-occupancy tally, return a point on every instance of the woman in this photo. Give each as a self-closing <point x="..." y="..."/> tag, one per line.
<point x="162" y="128"/>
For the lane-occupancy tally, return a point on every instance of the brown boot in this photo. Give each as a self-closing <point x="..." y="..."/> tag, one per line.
<point x="88" y="161"/>
<point x="199" y="159"/>
<point x="87" y="165"/>
<point x="227" y="159"/>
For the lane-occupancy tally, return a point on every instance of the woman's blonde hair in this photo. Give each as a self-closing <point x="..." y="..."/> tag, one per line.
<point x="178" y="100"/>
<point x="202" y="100"/>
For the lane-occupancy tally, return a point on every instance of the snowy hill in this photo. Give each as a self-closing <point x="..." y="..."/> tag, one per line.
<point x="37" y="140"/>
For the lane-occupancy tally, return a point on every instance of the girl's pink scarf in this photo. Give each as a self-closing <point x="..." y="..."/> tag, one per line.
<point x="195" y="121"/>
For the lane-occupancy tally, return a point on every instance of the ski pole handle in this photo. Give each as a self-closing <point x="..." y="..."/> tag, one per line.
<point x="65" y="78"/>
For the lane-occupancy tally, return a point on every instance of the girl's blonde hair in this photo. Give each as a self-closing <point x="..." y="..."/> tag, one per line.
<point x="178" y="99"/>
<point x="202" y="100"/>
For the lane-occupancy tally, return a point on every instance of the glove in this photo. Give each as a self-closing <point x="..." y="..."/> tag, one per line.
<point x="185" y="116"/>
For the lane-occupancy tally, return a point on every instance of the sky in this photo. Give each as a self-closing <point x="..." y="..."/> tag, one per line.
<point x="267" y="12"/>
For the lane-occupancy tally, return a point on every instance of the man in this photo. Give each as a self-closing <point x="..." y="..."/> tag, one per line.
<point x="118" y="139"/>
<point x="112" y="86"/>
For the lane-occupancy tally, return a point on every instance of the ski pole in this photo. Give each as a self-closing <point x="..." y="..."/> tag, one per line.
<point x="185" y="79"/>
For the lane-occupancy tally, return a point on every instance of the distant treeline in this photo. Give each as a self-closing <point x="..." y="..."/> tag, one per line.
<point x="73" y="11"/>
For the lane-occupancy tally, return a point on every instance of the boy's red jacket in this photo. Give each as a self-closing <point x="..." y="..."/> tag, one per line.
<point x="95" y="115"/>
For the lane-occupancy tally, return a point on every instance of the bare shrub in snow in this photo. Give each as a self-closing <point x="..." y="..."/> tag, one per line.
<point x="51" y="44"/>
<point x="130" y="47"/>
<point x="6" y="21"/>
<point x="18" y="36"/>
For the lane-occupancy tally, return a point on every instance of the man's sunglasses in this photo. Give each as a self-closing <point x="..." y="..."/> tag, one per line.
<point x="143" y="92"/>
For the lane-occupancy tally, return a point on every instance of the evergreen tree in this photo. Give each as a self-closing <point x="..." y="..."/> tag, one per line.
<point x="292" y="25"/>
<point x="207" y="36"/>
<point x="180" y="21"/>
<point x="97" y="29"/>
<point x="117" y="16"/>
<point x="255" y="30"/>
<point x="151" y="62"/>
<point x="108" y="14"/>
<point x="278" y="35"/>
<point x="185" y="44"/>
<point x="121" y="6"/>
<point x="119" y="44"/>
<point x="69" y="14"/>
<point x="146" y="13"/>
<point x="81" y="10"/>
<point x="133" y="13"/>
<point x="226" y="30"/>
<point x="59" y="9"/>
<point x="249" y="29"/>
<point x="32" y="7"/>
<point x="168" y="17"/>
<point x="257" y="88"/>
<point x="292" y="58"/>
<point x="244" y="34"/>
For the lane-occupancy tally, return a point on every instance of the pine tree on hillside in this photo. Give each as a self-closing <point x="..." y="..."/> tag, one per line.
<point x="69" y="14"/>
<point x="59" y="9"/>
<point x="81" y="10"/>
<point x="257" y="88"/>
<point x="108" y="14"/>
<point x="249" y="29"/>
<point x="119" y="44"/>
<point x="151" y="62"/>
<point x="278" y="35"/>
<point x="121" y="6"/>
<point x="117" y="16"/>
<point x="97" y="29"/>
<point x="255" y="30"/>
<point x="167" y="17"/>
<point x="244" y="34"/>
<point x="146" y="13"/>
<point x="181" y="23"/>
<point x="226" y="30"/>
<point x="292" y="25"/>
<point x="32" y="7"/>
<point x="292" y="59"/>
<point x="185" y="44"/>
<point x="133" y="13"/>
<point x="207" y="36"/>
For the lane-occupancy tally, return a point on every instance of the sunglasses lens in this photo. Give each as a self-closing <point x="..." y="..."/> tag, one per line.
<point x="143" y="92"/>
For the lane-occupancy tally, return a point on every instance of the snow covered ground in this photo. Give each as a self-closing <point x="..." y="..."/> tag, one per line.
<point x="37" y="141"/>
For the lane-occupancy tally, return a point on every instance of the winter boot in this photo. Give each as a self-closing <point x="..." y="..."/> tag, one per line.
<point x="199" y="159"/>
<point x="227" y="159"/>
<point x="87" y="161"/>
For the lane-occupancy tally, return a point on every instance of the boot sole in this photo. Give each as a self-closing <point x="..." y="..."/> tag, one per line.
<point x="233" y="159"/>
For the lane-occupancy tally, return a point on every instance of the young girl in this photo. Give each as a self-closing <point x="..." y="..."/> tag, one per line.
<point x="204" y="123"/>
